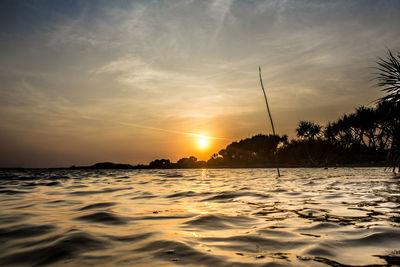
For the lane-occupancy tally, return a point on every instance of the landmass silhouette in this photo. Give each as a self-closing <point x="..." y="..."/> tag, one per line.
<point x="370" y="136"/>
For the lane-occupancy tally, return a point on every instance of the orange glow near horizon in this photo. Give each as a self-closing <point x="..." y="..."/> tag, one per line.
<point x="203" y="142"/>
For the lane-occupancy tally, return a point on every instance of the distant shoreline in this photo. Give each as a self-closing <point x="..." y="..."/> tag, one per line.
<point x="117" y="166"/>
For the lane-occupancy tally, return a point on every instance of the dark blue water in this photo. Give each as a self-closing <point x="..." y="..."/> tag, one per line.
<point x="227" y="217"/>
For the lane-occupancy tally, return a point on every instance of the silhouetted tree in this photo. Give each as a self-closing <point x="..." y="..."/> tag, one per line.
<point x="215" y="160"/>
<point x="389" y="80"/>
<point x="365" y="135"/>
<point x="190" y="162"/>
<point x="365" y="125"/>
<point x="389" y="77"/>
<point x="389" y="131"/>
<point x="160" y="164"/>
<point x="255" y="150"/>
<point x="308" y="129"/>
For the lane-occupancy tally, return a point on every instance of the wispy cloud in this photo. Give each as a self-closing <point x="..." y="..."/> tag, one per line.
<point x="130" y="70"/>
<point x="134" y="71"/>
<point x="173" y="131"/>
<point x="220" y="10"/>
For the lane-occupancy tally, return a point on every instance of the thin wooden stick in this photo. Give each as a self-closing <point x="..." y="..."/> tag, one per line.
<point x="269" y="112"/>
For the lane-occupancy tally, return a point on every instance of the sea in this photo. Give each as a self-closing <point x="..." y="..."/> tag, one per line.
<point x="200" y="217"/>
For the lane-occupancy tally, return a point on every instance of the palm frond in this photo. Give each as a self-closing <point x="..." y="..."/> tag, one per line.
<point x="388" y="77"/>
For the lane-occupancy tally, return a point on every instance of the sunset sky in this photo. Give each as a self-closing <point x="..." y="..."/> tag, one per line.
<point x="132" y="81"/>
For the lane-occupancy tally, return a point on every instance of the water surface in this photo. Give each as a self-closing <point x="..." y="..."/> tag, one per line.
<point x="226" y="217"/>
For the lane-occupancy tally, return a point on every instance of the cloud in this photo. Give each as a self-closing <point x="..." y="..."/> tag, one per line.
<point x="174" y="131"/>
<point x="83" y="70"/>
<point x="137" y="72"/>
<point x="220" y="10"/>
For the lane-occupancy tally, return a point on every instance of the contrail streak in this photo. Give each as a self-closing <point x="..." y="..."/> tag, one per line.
<point x="172" y="131"/>
<point x="221" y="9"/>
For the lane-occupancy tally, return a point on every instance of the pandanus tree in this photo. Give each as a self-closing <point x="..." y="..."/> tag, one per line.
<point x="388" y="78"/>
<point x="366" y="126"/>
<point x="308" y="130"/>
<point x="330" y="133"/>
<point x="259" y="148"/>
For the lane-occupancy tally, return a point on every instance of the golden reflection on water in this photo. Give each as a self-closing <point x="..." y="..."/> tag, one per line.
<point x="200" y="217"/>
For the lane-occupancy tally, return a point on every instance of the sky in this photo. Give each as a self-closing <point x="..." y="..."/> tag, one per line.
<point x="132" y="81"/>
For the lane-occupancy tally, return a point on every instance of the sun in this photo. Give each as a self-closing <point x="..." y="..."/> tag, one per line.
<point x="202" y="142"/>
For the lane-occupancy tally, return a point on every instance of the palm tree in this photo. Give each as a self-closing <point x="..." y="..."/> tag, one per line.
<point x="365" y="122"/>
<point x="308" y="130"/>
<point x="389" y="77"/>
<point x="389" y="80"/>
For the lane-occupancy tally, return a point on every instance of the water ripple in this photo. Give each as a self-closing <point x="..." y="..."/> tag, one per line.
<point x="227" y="217"/>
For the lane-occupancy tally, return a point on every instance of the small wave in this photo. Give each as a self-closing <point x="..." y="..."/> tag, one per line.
<point x="25" y="178"/>
<point x="244" y="188"/>
<point x="293" y="193"/>
<point x="278" y="190"/>
<point x="187" y="194"/>
<point x="333" y="196"/>
<point x="216" y="222"/>
<point x="131" y="238"/>
<point x="163" y="217"/>
<point x="182" y="253"/>
<point x="320" y="226"/>
<point x="105" y="190"/>
<point x="63" y="203"/>
<point x="66" y="248"/>
<point x="58" y="177"/>
<point x="29" y="184"/>
<point x="23" y="231"/>
<point x="104" y="218"/>
<point x="144" y="195"/>
<point x="12" y="192"/>
<point x="183" y="194"/>
<point x="98" y="205"/>
<point x="14" y="218"/>
<point x="32" y="184"/>
<point x="25" y="206"/>
<point x="171" y="175"/>
<point x="229" y="195"/>
<point x="376" y="239"/>
<point x="322" y="251"/>
<point x="52" y="183"/>
<point x="261" y="243"/>
<point x="76" y="186"/>
<point x="279" y="233"/>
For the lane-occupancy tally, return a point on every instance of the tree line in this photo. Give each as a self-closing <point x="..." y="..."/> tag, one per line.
<point x="367" y="135"/>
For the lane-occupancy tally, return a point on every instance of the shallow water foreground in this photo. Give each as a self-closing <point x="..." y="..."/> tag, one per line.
<point x="226" y="217"/>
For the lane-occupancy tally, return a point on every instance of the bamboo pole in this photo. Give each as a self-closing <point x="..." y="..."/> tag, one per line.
<point x="269" y="112"/>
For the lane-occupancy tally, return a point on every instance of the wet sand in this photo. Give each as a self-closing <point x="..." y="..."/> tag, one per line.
<point x="226" y="217"/>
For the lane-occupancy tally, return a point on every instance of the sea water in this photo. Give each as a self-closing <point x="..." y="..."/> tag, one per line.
<point x="209" y="217"/>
